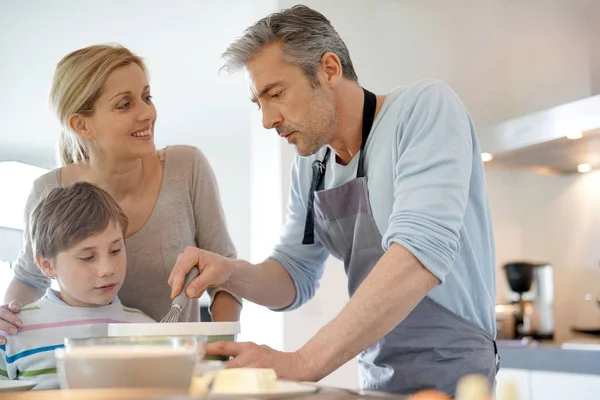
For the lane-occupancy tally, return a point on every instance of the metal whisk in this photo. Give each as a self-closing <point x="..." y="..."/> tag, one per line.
<point x="180" y="301"/>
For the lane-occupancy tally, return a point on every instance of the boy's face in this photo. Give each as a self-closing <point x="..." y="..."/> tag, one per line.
<point x="91" y="272"/>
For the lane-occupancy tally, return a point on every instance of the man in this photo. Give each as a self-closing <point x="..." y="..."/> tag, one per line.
<point x="393" y="186"/>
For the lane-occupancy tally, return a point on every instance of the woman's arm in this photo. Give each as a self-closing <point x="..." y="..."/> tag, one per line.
<point x="225" y="308"/>
<point x="21" y="292"/>
<point x="29" y="283"/>
<point x="17" y="294"/>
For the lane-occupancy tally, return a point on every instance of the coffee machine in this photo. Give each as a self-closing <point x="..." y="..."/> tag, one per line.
<point x="531" y="306"/>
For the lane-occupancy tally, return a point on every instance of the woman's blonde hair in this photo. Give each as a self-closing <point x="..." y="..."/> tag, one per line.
<point x="78" y="82"/>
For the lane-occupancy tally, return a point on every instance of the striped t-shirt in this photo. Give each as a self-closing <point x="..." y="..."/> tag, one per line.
<point x="29" y="355"/>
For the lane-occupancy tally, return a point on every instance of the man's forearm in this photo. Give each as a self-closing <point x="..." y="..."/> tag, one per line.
<point x="267" y="283"/>
<point x="395" y="286"/>
<point x="21" y="292"/>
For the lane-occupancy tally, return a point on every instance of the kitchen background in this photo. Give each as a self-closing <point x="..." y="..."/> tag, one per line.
<point x="505" y="59"/>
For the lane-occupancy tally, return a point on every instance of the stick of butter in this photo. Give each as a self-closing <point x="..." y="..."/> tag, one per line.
<point x="472" y="387"/>
<point x="244" y="380"/>
<point x="200" y="384"/>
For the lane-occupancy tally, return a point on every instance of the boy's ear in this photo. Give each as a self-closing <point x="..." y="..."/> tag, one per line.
<point x="45" y="266"/>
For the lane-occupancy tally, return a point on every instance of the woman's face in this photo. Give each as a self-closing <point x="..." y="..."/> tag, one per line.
<point x="122" y="125"/>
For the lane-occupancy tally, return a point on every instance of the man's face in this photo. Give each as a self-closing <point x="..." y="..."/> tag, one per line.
<point x="303" y="114"/>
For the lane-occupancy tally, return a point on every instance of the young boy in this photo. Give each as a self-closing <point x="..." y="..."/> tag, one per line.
<point x="77" y="234"/>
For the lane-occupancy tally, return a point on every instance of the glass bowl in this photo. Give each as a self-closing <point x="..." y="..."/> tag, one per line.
<point x="127" y="362"/>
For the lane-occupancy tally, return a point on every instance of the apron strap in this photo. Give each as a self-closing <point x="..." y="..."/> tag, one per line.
<point x="316" y="183"/>
<point x="319" y="167"/>
<point x="367" y="124"/>
<point x="497" y="356"/>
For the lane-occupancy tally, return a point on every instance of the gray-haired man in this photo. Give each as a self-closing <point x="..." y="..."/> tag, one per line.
<point x="391" y="185"/>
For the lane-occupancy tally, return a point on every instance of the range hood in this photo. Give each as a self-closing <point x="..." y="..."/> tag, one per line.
<point x="561" y="140"/>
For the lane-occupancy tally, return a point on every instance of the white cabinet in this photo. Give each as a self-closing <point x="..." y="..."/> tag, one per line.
<point x="560" y="386"/>
<point x="520" y="378"/>
<point x="541" y="385"/>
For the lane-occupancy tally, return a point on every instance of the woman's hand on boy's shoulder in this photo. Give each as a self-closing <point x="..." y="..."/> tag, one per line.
<point x="9" y="322"/>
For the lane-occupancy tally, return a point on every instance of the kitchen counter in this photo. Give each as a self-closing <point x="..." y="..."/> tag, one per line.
<point x="153" y="394"/>
<point x="577" y="356"/>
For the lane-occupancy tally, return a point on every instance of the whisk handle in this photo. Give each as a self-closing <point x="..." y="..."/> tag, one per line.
<point x="181" y="298"/>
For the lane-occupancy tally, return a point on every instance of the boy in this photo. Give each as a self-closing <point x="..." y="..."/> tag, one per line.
<point x="77" y="234"/>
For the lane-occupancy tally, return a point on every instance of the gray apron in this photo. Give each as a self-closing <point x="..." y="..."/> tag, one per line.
<point x="433" y="347"/>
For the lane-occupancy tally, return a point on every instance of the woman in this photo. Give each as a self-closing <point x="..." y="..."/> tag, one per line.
<point x="102" y="98"/>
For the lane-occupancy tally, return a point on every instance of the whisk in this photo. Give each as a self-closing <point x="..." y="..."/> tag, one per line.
<point x="180" y="301"/>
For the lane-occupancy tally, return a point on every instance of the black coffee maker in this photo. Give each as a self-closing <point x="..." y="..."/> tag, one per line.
<point x="532" y="286"/>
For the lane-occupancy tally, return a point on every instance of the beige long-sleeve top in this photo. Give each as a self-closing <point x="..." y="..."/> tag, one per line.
<point x="188" y="212"/>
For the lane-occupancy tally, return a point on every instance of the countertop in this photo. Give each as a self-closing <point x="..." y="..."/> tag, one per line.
<point x="578" y="355"/>
<point x="153" y="394"/>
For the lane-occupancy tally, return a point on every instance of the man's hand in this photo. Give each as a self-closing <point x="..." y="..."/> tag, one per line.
<point x="9" y="322"/>
<point x="214" y="271"/>
<point x="267" y="283"/>
<point x="287" y="365"/>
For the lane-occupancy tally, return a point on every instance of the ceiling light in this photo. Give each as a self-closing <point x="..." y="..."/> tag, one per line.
<point x="485" y="157"/>
<point x="575" y="135"/>
<point x="583" y="168"/>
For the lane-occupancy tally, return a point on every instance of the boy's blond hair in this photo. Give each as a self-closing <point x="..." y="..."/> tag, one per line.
<point x="70" y="214"/>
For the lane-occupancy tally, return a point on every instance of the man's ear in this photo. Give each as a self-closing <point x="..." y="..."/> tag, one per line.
<point x="45" y="265"/>
<point x="332" y="68"/>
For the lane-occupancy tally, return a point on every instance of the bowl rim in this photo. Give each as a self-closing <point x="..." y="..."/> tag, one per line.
<point x="174" y="329"/>
<point x="77" y="352"/>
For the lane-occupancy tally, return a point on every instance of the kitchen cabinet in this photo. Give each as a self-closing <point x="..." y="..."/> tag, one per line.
<point x="543" y="385"/>
<point x="561" y="385"/>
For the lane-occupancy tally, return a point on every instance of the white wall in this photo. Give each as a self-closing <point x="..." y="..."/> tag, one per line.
<point x="259" y="324"/>
<point x="504" y="58"/>
<point x="594" y="46"/>
<point x="11" y="241"/>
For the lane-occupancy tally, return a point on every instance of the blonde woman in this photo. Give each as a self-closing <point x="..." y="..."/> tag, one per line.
<point x="102" y="97"/>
